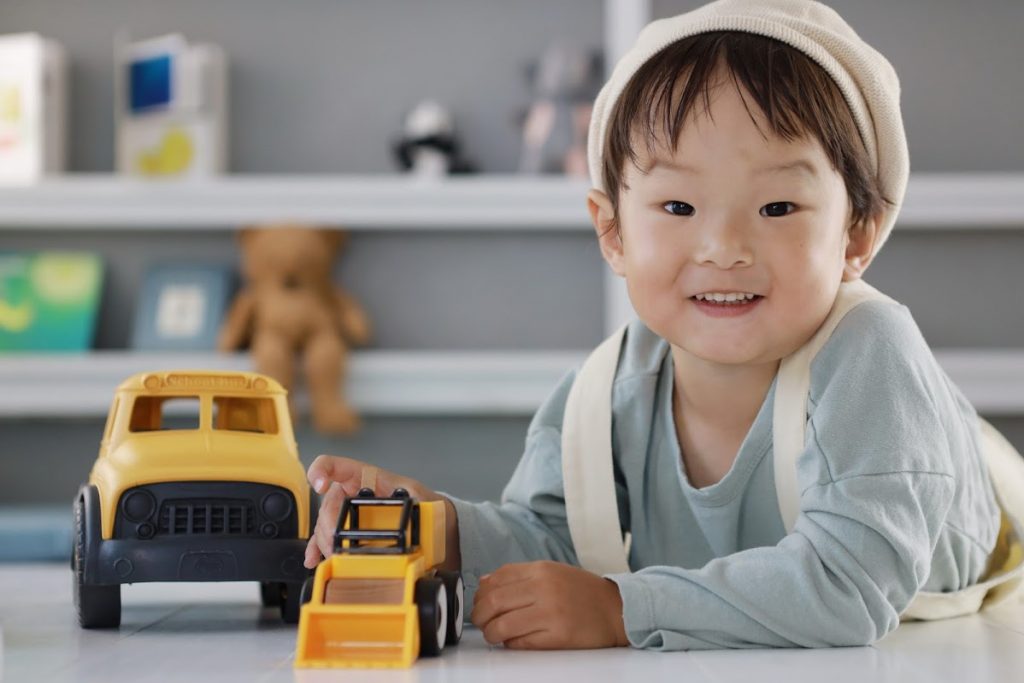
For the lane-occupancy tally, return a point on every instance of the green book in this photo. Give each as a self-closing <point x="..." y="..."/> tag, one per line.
<point x="49" y="300"/>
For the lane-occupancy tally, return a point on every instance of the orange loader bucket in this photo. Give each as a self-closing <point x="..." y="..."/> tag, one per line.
<point x="369" y="636"/>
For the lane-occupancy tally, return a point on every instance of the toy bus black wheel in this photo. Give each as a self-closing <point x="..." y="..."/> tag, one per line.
<point x="270" y="593"/>
<point x="97" y="606"/>
<point x="432" y="606"/>
<point x="291" y="601"/>
<point x="456" y="590"/>
<point x="307" y="591"/>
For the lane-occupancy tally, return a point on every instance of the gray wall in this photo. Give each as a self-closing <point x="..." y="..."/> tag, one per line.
<point x="960" y="73"/>
<point x="422" y="289"/>
<point x="321" y="86"/>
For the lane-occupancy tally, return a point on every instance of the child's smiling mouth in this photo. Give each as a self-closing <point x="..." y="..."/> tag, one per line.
<point x="726" y="304"/>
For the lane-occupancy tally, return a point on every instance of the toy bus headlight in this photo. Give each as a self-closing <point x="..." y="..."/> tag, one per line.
<point x="276" y="506"/>
<point x="138" y="506"/>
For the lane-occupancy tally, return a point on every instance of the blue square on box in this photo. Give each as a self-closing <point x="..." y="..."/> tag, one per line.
<point x="150" y="83"/>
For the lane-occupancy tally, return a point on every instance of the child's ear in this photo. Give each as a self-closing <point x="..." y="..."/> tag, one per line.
<point x="602" y="214"/>
<point x="860" y="248"/>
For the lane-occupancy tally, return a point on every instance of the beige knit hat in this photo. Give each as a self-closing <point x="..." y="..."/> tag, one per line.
<point x="865" y="77"/>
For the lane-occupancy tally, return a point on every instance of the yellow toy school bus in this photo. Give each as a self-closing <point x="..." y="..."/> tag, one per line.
<point x="198" y="479"/>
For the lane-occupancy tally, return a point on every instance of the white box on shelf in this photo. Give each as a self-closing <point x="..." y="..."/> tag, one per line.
<point x="170" y="108"/>
<point x="33" y="96"/>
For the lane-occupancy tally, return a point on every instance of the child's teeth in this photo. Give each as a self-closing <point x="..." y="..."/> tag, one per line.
<point x="729" y="298"/>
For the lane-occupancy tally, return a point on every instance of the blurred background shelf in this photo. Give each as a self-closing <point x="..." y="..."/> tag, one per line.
<point x="367" y="202"/>
<point x="397" y="383"/>
<point x="389" y="383"/>
<point x="479" y="264"/>
<point x="484" y="202"/>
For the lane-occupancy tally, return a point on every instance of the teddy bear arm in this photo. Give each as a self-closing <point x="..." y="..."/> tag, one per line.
<point x="236" y="324"/>
<point x="354" y="324"/>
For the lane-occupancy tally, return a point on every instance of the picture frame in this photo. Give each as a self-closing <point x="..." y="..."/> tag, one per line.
<point x="181" y="306"/>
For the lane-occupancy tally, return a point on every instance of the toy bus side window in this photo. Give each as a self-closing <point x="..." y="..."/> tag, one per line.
<point x="109" y="428"/>
<point x="244" y="414"/>
<point x="151" y="413"/>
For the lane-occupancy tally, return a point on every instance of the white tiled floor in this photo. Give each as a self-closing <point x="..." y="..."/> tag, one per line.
<point x="198" y="632"/>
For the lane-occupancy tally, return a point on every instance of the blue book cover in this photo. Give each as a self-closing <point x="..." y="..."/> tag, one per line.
<point x="181" y="307"/>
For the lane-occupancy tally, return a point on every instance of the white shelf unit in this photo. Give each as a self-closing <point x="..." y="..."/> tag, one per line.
<point x="390" y="202"/>
<point x="384" y="202"/>
<point x="418" y="383"/>
<point x="423" y="383"/>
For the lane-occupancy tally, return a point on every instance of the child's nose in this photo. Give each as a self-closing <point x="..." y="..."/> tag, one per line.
<point x="724" y="243"/>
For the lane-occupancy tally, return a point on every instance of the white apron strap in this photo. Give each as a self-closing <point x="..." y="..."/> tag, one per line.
<point x="1006" y="573"/>
<point x="587" y="473"/>
<point x="1004" y="576"/>
<point x="789" y="416"/>
<point x="587" y="468"/>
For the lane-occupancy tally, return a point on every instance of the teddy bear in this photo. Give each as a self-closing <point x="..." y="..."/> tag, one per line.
<point x="289" y="309"/>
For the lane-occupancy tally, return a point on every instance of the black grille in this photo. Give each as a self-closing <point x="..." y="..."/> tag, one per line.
<point x="179" y="517"/>
<point x="204" y="508"/>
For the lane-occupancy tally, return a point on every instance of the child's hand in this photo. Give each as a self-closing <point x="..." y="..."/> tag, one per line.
<point x="549" y="606"/>
<point x="334" y="477"/>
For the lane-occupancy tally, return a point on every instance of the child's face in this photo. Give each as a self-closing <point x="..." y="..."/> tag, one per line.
<point x="732" y="213"/>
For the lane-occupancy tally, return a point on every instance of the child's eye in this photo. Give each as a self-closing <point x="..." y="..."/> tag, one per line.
<point x="777" y="209"/>
<point x="678" y="208"/>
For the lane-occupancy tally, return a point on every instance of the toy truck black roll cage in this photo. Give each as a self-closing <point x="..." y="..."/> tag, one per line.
<point x="365" y="498"/>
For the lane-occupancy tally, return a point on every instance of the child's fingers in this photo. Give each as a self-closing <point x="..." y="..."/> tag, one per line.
<point x="328" y="518"/>
<point x="512" y="625"/>
<point x="312" y="553"/>
<point x="334" y="477"/>
<point x="492" y="601"/>
<point x="384" y="482"/>
<point x="513" y="572"/>
<point x="328" y="468"/>
<point x="352" y="474"/>
<point x="538" y="640"/>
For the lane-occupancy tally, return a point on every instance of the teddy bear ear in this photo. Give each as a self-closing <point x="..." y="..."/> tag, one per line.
<point x="245" y="235"/>
<point x="335" y="238"/>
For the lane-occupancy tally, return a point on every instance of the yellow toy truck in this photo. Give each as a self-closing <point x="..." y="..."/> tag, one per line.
<point x="379" y="600"/>
<point x="198" y="479"/>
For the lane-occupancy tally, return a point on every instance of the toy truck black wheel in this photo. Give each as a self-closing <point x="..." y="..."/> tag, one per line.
<point x="291" y="601"/>
<point x="432" y="606"/>
<point x="456" y="590"/>
<point x="270" y="593"/>
<point x="97" y="606"/>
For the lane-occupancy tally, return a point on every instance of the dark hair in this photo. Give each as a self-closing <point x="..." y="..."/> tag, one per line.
<point x="797" y="97"/>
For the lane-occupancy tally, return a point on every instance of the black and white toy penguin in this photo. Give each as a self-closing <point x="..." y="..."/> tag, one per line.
<point x="428" y="147"/>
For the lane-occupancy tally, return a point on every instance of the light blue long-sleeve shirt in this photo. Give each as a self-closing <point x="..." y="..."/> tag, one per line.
<point x="894" y="498"/>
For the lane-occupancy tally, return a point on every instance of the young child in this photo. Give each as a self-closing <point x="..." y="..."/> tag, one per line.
<point x="748" y="158"/>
